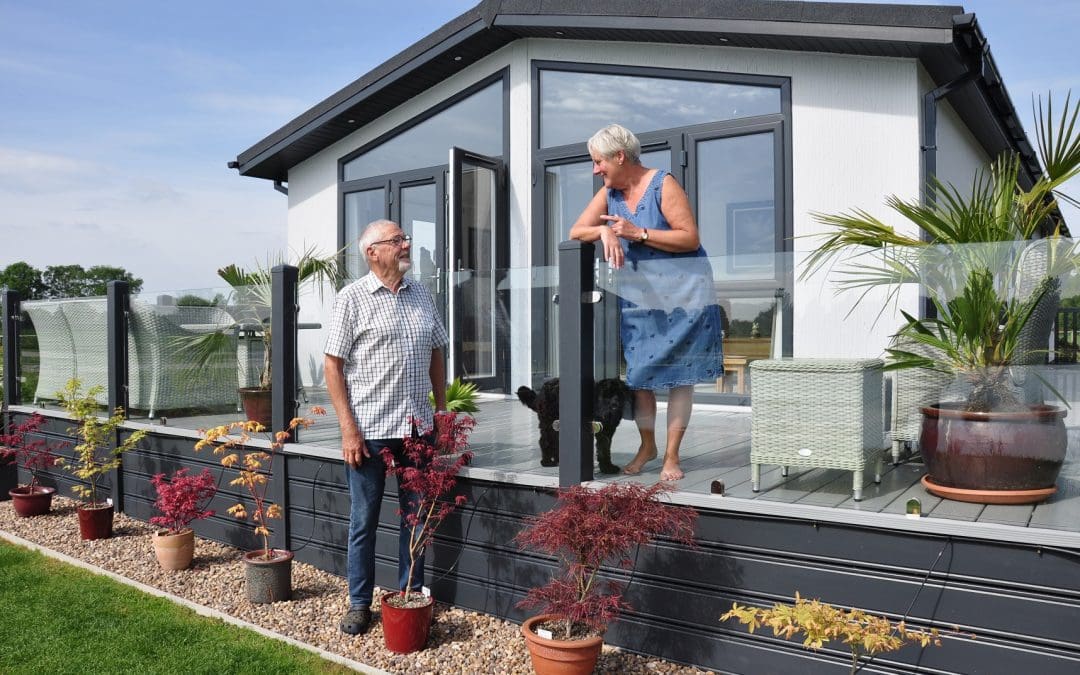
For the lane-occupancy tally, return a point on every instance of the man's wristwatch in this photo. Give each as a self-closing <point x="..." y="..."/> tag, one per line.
<point x="644" y="234"/>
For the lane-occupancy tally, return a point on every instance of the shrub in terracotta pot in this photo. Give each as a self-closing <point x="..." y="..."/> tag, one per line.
<point x="587" y="529"/>
<point x="94" y="458"/>
<point x="268" y="571"/>
<point x="181" y="500"/>
<point x="435" y="461"/>
<point x="35" y="455"/>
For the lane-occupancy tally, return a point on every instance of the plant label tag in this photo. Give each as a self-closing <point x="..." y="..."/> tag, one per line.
<point x="426" y="591"/>
<point x="544" y="633"/>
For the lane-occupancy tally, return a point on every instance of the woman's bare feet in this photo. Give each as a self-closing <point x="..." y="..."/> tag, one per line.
<point x="644" y="456"/>
<point x="671" y="470"/>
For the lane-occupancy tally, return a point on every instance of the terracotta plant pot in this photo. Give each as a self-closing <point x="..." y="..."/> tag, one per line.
<point x="95" y="521"/>
<point x="405" y="629"/>
<point x="990" y="457"/>
<point x="174" y="551"/>
<point x="560" y="657"/>
<point x="31" y="502"/>
<point x="257" y="405"/>
<point x="268" y="580"/>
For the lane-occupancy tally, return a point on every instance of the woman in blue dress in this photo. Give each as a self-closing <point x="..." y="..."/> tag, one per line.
<point x="670" y="317"/>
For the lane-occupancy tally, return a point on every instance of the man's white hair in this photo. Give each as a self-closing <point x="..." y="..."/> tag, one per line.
<point x="373" y="231"/>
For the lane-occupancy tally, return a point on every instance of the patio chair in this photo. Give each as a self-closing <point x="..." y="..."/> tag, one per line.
<point x="911" y="389"/>
<point x="166" y="378"/>
<point x="87" y="320"/>
<point x="821" y="413"/>
<point x="56" y="353"/>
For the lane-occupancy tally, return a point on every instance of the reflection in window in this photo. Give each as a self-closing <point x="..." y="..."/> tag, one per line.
<point x="736" y="182"/>
<point x="475" y="123"/>
<point x="575" y="105"/>
<point x="361" y="208"/>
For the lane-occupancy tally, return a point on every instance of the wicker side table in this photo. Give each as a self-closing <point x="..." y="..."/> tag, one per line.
<point x="821" y="413"/>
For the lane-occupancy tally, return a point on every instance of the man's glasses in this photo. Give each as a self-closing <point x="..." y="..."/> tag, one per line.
<point x="396" y="242"/>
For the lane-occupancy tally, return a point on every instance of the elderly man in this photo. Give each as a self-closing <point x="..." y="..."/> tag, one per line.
<point x="383" y="354"/>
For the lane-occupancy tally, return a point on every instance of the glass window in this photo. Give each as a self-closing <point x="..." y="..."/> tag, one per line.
<point x="475" y="122"/>
<point x="360" y="209"/>
<point x="573" y="105"/>
<point x="736" y="182"/>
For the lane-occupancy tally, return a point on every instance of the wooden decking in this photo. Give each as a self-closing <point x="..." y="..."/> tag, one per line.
<point x="716" y="450"/>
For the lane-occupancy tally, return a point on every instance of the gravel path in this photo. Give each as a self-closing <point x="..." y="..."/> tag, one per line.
<point x="460" y="642"/>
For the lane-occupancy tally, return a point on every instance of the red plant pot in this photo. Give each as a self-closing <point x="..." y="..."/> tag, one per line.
<point x="29" y="501"/>
<point x="95" y="521"/>
<point x="405" y="629"/>
<point x="257" y="404"/>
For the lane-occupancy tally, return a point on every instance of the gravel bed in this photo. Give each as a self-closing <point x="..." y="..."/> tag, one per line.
<point x="461" y="641"/>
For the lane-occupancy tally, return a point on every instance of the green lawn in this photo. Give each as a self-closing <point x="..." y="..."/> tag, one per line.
<point x="56" y="618"/>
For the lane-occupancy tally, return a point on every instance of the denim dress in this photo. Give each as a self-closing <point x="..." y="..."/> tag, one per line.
<point x="670" y="318"/>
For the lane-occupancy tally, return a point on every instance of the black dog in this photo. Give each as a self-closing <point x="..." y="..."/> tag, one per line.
<point x="612" y="395"/>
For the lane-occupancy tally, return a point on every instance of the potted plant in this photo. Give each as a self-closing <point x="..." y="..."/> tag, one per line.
<point x="89" y="463"/>
<point x="250" y="306"/>
<point x="863" y="633"/>
<point x="268" y="571"/>
<point x="460" y="397"/>
<point x="33" y="499"/>
<point x="587" y="529"/>
<point x="181" y="500"/>
<point x="429" y="476"/>
<point x="994" y="288"/>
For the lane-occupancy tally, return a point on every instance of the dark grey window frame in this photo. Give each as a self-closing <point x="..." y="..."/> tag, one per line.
<point x="681" y="167"/>
<point x="393" y="182"/>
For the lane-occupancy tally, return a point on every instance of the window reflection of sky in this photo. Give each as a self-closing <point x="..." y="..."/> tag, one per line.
<point x="474" y="123"/>
<point x="574" y="105"/>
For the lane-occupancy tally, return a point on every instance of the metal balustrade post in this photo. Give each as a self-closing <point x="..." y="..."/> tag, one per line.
<point x="118" y="304"/>
<point x="577" y="294"/>
<point x="11" y="304"/>
<point x="283" y="342"/>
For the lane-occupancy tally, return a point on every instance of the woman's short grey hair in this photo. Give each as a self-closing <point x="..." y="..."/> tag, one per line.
<point x="613" y="138"/>
<point x="372" y="233"/>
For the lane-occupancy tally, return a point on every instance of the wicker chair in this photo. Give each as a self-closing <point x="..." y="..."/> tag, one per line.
<point x="165" y="378"/>
<point x="912" y="388"/>
<point x="821" y="413"/>
<point x="55" y="350"/>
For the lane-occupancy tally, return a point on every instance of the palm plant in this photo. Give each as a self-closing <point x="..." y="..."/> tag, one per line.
<point x="251" y="303"/>
<point x="991" y="262"/>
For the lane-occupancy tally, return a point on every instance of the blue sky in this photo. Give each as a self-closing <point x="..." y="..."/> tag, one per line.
<point x="117" y="117"/>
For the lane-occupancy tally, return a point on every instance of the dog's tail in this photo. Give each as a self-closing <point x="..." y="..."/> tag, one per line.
<point x="527" y="396"/>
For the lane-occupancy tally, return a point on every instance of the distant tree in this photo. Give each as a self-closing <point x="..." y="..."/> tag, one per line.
<point x="192" y="300"/>
<point x="99" y="276"/>
<point x="24" y="278"/>
<point x="72" y="281"/>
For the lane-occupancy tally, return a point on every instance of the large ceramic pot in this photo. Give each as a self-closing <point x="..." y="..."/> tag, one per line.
<point x="560" y="657"/>
<point x="34" y="501"/>
<point x="174" y="551"/>
<point x="96" y="521"/>
<point x="993" y="457"/>
<point x="268" y="580"/>
<point x="257" y="405"/>
<point x="405" y="629"/>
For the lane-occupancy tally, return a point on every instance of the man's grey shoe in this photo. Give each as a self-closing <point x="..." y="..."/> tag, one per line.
<point x="356" y="621"/>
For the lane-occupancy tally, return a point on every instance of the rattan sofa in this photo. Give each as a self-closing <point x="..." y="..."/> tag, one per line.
<point x="72" y="337"/>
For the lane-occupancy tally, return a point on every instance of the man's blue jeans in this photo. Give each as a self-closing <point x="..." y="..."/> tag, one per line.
<point x="366" y="485"/>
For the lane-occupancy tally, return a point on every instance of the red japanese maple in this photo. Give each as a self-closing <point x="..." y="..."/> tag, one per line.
<point x="588" y="528"/>
<point x="34" y="455"/>
<point x="182" y="499"/>
<point x="431" y="474"/>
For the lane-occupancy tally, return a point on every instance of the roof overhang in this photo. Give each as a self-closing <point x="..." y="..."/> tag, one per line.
<point x="947" y="42"/>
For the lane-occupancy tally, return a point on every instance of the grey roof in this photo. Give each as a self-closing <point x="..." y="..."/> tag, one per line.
<point x="945" y="40"/>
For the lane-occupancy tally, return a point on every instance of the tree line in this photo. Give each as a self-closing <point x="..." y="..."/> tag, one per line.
<point x="63" y="281"/>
